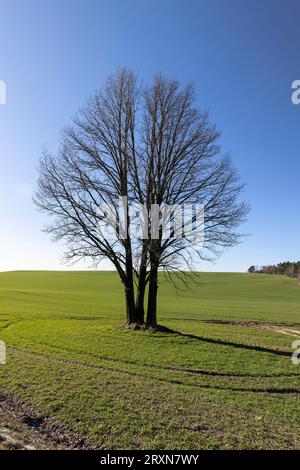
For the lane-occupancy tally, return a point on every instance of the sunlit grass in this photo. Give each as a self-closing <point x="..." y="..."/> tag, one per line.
<point x="207" y="386"/>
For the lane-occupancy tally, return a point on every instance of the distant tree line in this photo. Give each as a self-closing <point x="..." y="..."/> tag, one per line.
<point x="287" y="268"/>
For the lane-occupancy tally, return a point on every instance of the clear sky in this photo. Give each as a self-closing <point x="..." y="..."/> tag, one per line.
<point x="242" y="57"/>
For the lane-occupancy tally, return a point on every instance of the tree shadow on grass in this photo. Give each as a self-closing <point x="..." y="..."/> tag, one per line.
<point x="248" y="347"/>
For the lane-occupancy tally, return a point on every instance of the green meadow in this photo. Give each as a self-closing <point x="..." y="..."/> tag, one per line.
<point x="209" y="385"/>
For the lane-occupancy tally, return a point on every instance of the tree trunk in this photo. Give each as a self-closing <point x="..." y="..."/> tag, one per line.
<point x="141" y="289"/>
<point x="139" y="306"/>
<point x="130" y="307"/>
<point x="129" y="286"/>
<point x="152" y="298"/>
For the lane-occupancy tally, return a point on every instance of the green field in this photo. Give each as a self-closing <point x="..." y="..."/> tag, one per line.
<point x="209" y="386"/>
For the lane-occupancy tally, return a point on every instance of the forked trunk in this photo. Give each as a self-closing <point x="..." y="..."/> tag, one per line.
<point x="141" y="288"/>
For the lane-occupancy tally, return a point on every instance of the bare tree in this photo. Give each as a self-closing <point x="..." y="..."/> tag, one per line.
<point x="152" y="146"/>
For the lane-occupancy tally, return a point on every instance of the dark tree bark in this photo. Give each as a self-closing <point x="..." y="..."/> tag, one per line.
<point x="142" y="284"/>
<point x="155" y="250"/>
<point x="129" y="288"/>
<point x="152" y="298"/>
<point x="130" y="307"/>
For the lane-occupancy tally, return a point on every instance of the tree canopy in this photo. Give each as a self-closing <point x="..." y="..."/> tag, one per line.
<point x="151" y="146"/>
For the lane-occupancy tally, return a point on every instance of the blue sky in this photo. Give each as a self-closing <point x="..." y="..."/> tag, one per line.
<point x="242" y="57"/>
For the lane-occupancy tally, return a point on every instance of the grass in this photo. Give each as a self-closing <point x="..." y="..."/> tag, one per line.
<point x="210" y="386"/>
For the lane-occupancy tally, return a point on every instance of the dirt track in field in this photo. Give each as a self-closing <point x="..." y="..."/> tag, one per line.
<point x="24" y="428"/>
<point x="257" y="325"/>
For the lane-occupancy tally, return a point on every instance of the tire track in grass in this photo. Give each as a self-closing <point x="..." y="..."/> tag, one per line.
<point x="24" y="427"/>
<point x="269" y="390"/>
